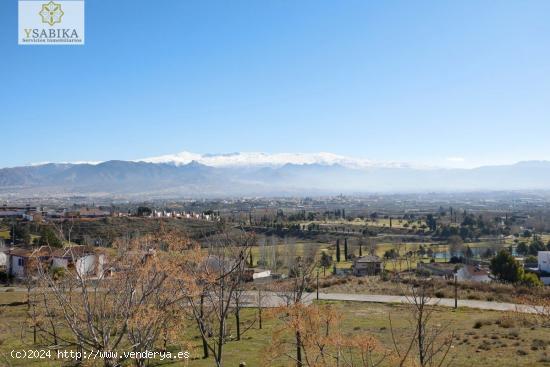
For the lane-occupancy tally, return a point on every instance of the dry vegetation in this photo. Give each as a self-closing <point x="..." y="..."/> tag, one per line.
<point x="442" y="288"/>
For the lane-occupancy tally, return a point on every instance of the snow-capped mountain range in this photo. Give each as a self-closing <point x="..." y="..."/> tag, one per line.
<point x="258" y="159"/>
<point x="260" y="174"/>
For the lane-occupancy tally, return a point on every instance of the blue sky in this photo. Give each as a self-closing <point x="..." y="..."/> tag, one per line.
<point x="457" y="83"/>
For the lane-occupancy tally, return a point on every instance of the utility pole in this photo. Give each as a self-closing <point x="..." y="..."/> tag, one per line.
<point x="317" y="284"/>
<point x="456" y="291"/>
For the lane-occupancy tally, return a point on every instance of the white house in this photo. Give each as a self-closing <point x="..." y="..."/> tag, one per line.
<point x="20" y="260"/>
<point x="84" y="259"/>
<point x="544" y="261"/>
<point x="261" y="273"/>
<point x="3" y="257"/>
<point x="473" y="274"/>
<point x="251" y="274"/>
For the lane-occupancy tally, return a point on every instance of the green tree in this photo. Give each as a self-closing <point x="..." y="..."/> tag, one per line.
<point x="506" y="268"/>
<point x="536" y="246"/>
<point x="488" y="253"/>
<point x="346" y="249"/>
<point x="326" y="261"/>
<point x="338" y="250"/>
<point x="522" y="248"/>
<point x="20" y="233"/>
<point x="431" y="222"/>
<point x="48" y="237"/>
<point x="390" y="254"/>
<point x="144" y="211"/>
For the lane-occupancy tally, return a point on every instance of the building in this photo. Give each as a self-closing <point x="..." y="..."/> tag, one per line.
<point x="85" y="260"/>
<point x="544" y="261"/>
<point x="367" y="265"/>
<point x="93" y="213"/>
<point x="252" y="274"/>
<point x="24" y="262"/>
<point x="473" y="274"/>
<point x="19" y="212"/>
<point x="3" y="257"/>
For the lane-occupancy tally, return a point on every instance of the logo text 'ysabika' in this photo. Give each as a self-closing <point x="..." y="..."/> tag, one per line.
<point x="51" y="23"/>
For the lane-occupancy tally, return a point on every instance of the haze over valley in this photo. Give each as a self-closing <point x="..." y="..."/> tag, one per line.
<point x="218" y="175"/>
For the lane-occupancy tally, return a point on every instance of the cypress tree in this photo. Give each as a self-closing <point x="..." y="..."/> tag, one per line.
<point x="338" y="250"/>
<point x="346" y="249"/>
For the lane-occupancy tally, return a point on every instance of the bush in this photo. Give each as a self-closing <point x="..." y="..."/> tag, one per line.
<point x="440" y="294"/>
<point x="506" y="322"/>
<point x="531" y="280"/>
<point x="479" y="323"/>
<point x="385" y="276"/>
<point x="58" y="273"/>
<point x="537" y="344"/>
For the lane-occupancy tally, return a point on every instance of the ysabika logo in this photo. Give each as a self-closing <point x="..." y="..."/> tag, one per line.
<point x="51" y="22"/>
<point x="51" y="13"/>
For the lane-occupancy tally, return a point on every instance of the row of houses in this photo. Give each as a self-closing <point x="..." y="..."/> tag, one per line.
<point x="183" y="215"/>
<point x="37" y="214"/>
<point x="22" y="262"/>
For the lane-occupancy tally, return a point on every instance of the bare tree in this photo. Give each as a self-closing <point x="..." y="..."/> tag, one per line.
<point x="323" y="342"/>
<point x="429" y="344"/>
<point x="212" y="283"/>
<point x="107" y="313"/>
<point x="293" y="291"/>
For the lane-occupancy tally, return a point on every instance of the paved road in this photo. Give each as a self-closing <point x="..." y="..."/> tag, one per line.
<point x="270" y="299"/>
<point x="273" y="300"/>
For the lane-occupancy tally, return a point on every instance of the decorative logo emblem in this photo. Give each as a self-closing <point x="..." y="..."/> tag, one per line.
<point x="51" y="13"/>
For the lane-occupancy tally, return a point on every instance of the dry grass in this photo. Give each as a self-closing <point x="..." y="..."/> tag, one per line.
<point x="481" y="338"/>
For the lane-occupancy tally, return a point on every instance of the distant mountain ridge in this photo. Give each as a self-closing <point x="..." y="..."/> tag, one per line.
<point x="195" y="179"/>
<point x="247" y="159"/>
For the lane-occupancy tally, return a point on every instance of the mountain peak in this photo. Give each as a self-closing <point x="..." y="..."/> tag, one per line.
<point x="260" y="159"/>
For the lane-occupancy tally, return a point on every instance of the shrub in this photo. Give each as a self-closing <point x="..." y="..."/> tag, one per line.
<point x="531" y="280"/>
<point x="537" y="344"/>
<point x="58" y="273"/>
<point x="513" y="334"/>
<point x="506" y="323"/>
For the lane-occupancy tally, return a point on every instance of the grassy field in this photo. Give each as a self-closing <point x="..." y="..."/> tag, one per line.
<point x="481" y="338"/>
<point x="4" y="233"/>
<point x="380" y="222"/>
<point x="301" y="248"/>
